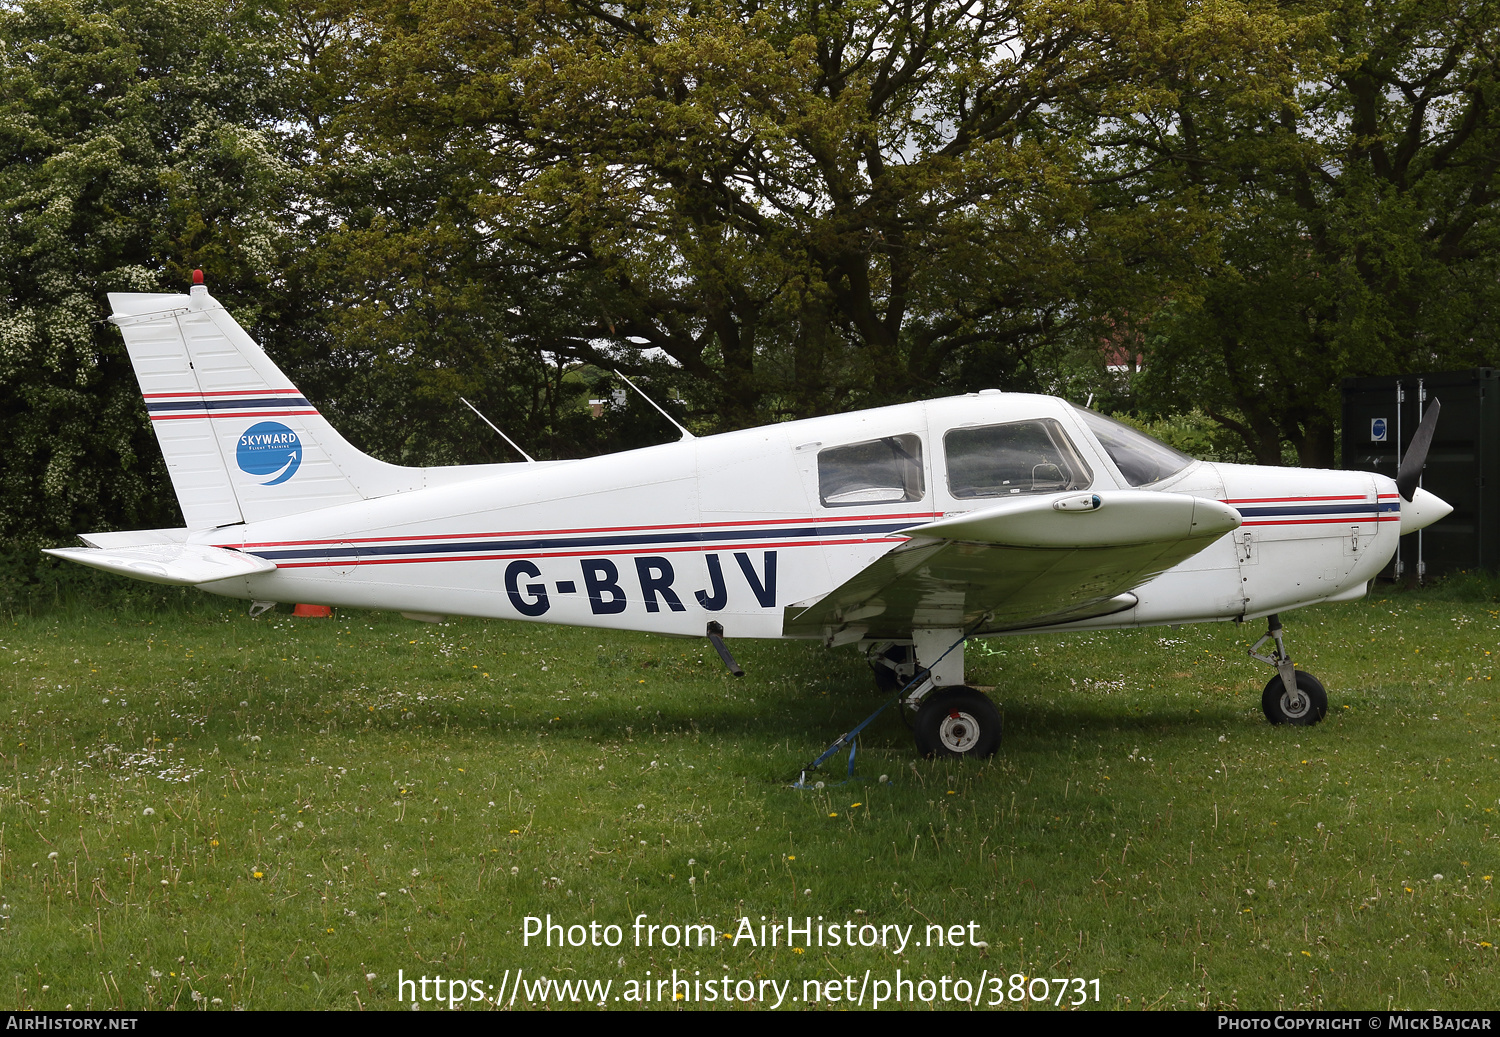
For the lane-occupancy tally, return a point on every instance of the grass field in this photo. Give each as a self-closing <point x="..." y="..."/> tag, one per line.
<point x="203" y="811"/>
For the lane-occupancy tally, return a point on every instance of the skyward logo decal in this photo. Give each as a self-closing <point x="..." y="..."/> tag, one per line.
<point x="270" y="448"/>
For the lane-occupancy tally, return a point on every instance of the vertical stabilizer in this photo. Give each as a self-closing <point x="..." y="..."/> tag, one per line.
<point x="241" y="442"/>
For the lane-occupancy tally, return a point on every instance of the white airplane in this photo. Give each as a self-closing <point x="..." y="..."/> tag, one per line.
<point x="904" y="529"/>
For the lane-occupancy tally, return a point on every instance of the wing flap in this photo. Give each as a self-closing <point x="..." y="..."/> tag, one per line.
<point x="177" y="565"/>
<point x="1022" y="563"/>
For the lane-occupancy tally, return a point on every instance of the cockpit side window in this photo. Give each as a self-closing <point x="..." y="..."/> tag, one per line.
<point x="878" y="471"/>
<point x="1141" y="458"/>
<point x="1020" y="457"/>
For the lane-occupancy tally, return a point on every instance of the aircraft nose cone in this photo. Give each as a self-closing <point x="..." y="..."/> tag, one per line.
<point x="1422" y="511"/>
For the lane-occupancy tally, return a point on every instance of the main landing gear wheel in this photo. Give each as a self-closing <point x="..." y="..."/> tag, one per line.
<point x="957" y="722"/>
<point x="1305" y="709"/>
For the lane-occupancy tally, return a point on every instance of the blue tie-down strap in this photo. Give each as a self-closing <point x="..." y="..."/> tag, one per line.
<point x="851" y="737"/>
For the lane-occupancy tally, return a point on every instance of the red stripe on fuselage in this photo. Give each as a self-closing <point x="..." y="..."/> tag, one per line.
<point x="1318" y="521"/>
<point x="357" y="561"/>
<point x="595" y="529"/>
<point x="1290" y="500"/>
<point x="223" y="392"/>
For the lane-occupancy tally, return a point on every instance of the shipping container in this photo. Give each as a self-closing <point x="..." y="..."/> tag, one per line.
<point x="1463" y="466"/>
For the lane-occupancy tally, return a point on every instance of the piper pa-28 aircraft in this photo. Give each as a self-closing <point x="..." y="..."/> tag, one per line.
<point x="904" y="530"/>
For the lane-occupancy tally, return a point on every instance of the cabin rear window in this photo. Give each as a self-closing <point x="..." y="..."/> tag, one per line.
<point x="1019" y="457"/>
<point x="879" y="471"/>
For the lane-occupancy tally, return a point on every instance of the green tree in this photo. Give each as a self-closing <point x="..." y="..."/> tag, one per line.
<point x="800" y="206"/>
<point x="1362" y="225"/>
<point x="136" y="143"/>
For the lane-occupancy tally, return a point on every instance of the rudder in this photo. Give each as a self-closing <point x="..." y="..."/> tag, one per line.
<point x="241" y="442"/>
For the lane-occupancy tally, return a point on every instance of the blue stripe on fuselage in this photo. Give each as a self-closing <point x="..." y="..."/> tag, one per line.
<point x="533" y="545"/>
<point x="1362" y="508"/>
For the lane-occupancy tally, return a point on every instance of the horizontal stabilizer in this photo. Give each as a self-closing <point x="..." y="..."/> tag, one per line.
<point x="178" y="565"/>
<point x="135" y="537"/>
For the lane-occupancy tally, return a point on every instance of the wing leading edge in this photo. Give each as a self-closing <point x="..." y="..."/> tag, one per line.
<point x="1024" y="563"/>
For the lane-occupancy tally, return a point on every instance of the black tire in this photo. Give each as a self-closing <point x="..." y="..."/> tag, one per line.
<point x="886" y="678"/>
<point x="957" y="722"/>
<point x="1279" y="709"/>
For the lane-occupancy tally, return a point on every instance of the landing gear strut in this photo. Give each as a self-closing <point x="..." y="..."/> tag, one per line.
<point x="894" y="665"/>
<point x="1292" y="696"/>
<point x="949" y="718"/>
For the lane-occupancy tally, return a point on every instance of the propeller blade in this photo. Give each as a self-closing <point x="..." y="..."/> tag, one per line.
<point x="1416" y="453"/>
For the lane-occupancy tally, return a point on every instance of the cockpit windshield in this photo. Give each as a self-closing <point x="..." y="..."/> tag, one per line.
<point x="1140" y="458"/>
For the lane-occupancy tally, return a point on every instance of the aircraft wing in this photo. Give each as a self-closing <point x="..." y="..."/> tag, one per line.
<point x="1024" y="563"/>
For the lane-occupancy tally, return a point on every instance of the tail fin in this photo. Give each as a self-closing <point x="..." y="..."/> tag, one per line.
<point x="241" y="442"/>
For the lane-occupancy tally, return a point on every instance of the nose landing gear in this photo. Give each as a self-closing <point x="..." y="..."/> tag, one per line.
<point x="1292" y="696"/>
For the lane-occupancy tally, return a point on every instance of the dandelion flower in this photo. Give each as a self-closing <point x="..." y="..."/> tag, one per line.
<point x="147" y="812"/>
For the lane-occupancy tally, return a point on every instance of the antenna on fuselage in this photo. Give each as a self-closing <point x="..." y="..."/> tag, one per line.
<point x="685" y="433"/>
<point x="502" y="435"/>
